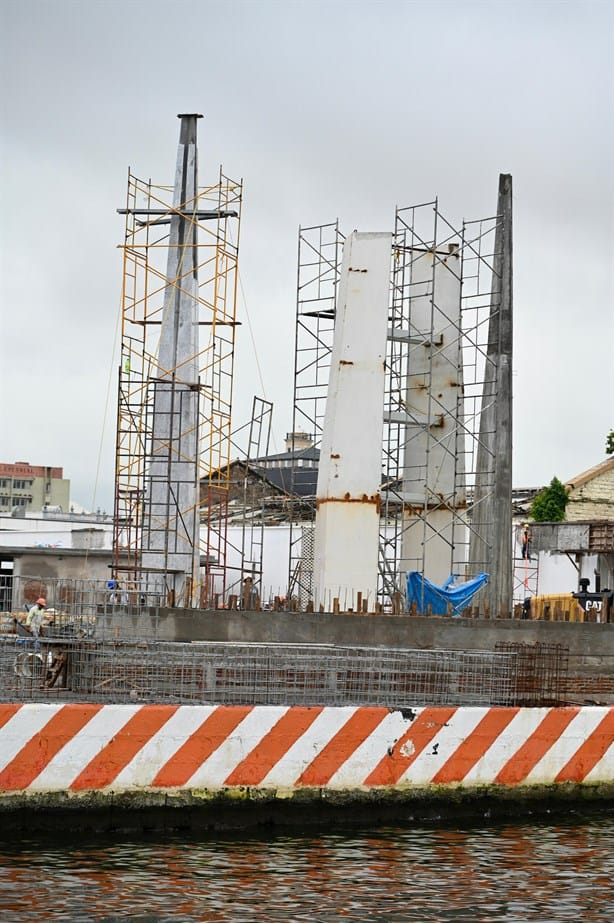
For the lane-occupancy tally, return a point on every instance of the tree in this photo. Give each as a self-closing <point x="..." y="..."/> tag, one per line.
<point x="549" y="505"/>
<point x="609" y="443"/>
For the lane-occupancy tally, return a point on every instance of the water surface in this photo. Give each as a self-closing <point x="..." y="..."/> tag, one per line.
<point x="547" y="873"/>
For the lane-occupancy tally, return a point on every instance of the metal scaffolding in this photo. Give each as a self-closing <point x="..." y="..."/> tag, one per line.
<point x="526" y="567"/>
<point x="446" y="455"/>
<point x="434" y="419"/>
<point x="254" y="499"/>
<point x="319" y="257"/>
<point x="176" y="248"/>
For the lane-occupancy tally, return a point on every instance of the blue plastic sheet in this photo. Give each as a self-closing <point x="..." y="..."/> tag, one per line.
<point x="424" y="593"/>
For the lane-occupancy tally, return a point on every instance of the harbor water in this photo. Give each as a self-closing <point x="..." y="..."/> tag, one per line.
<point x="546" y="872"/>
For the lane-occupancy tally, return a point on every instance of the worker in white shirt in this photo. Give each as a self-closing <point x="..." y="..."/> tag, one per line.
<point x="34" y="619"/>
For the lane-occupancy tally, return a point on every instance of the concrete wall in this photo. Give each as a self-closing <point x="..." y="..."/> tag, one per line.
<point x="295" y="755"/>
<point x="62" y="565"/>
<point x="359" y="630"/>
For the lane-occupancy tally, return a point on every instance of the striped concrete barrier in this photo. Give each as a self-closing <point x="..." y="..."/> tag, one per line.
<point x="78" y="748"/>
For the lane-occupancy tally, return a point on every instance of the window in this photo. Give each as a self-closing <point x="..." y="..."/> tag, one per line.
<point x="4" y="482"/>
<point x="20" y="501"/>
<point x="4" y="501"/>
<point x="20" y="484"/>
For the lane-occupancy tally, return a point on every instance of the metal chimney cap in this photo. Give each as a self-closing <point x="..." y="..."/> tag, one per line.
<point x="190" y="115"/>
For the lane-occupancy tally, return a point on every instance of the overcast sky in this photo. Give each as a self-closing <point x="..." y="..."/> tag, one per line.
<point x="326" y="109"/>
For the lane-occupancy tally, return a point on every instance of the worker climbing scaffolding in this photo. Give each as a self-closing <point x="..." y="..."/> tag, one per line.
<point x="525" y="541"/>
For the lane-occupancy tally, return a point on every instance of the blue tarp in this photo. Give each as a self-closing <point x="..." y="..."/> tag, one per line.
<point x="424" y="593"/>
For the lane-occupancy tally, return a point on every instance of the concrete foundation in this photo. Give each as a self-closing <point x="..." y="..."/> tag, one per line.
<point x="386" y="631"/>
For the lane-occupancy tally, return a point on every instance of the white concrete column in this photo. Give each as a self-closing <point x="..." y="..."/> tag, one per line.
<point x="349" y="475"/>
<point x="433" y="476"/>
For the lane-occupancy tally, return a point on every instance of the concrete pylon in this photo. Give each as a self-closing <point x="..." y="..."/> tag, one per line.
<point x="490" y="547"/>
<point x="434" y="470"/>
<point x="170" y="552"/>
<point x="349" y="472"/>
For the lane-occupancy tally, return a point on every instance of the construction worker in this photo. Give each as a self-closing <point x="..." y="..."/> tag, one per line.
<point x="112" y="587"/>
<point x="117" y="596"/>
<point x="525" y="541"/>
<point x="34" y="618"/>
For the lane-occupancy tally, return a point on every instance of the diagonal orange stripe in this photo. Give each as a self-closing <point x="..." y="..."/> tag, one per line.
<point x="200" y="745"/>
<point x="123" y="747"/>
<point x="475" y="745"/>
<point x="7" y="712"/>
<point x="291" y="726"/>
<point x="590" y="752"/>
<point x="408" y="747"/>
<point x="43" y="746"/>
<point x="340" y="747"/>
<point x="533" y="749"/>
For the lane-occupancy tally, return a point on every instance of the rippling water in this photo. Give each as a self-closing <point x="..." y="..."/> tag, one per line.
<point x="544" y="873"/>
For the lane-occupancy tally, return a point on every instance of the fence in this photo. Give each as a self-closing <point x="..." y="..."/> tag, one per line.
<point x="74" y="598"/>
<point x="85" y="598"/>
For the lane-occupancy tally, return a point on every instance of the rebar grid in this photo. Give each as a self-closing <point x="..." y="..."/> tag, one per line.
<point x="88" y="670"/>
<point x="541" y="677"/>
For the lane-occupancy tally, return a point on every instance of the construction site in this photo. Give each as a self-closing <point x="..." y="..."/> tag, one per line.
<point x="402" y="384"/>
<point x="403" y="574"/>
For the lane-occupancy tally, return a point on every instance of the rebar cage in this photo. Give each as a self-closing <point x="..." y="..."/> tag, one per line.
<point x="63" y="668"/>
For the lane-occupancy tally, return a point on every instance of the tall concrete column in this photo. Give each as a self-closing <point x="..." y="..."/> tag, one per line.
<point x="349" y="473"/>
<point x="170" y="553"/>
<point x="433" y="487"/>
<point x="491" y="515"/>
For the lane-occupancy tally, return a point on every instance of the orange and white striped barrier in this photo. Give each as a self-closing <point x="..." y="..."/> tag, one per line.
<point x="89" y="747"/>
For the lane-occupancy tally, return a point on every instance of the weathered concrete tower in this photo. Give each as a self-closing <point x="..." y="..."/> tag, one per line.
<point x="170" y="555"/>
<point x="490" y="546"/>
<point x="433" y="485"/>
<point x="349" y="476"/>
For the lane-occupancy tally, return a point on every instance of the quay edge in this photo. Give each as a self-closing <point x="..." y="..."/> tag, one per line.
<point x="138" y="767"/>
<point x="253" y="808"/>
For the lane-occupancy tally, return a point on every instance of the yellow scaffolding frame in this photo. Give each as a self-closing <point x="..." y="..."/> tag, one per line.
<point x="145" y="252"/>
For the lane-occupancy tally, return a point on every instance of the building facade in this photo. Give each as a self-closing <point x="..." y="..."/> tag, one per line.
<point x="591" y="494"/>
<point x="32" y="488"/>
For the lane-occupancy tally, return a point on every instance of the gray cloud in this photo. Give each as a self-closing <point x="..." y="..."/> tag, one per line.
<point x="326" y="109"/>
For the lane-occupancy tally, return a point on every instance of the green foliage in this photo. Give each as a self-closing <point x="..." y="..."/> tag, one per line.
<point x="609" y="443"/>
<point x="549" y="505"/>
